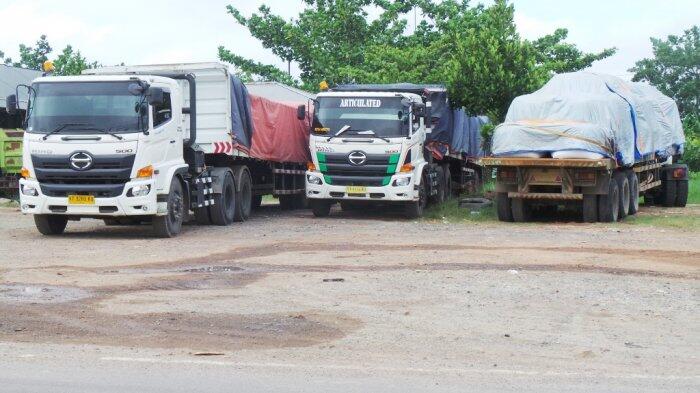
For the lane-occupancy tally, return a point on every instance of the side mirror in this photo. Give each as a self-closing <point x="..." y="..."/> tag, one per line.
<point x="136" y="89"/>
<point x="155" y="96"/>
<point x="301" y="112"/>
<point x="11" y="104"/>
<point x="419" y="109"/>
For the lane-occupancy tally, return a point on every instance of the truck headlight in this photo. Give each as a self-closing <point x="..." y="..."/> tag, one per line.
<point x="139" y="191"/>
<point x="402" y="181"/>
<point x="29" y="190"/>
<point x="313" y="179"/>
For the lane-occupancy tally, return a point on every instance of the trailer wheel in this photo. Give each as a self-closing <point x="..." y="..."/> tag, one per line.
<point x="624" y="189"/>
<point x="667" y="195"/>
<point x="681" y="193"/>
<point x="448" y="182"/>
<point x="244" y="197"/>
<point x="609" y="204"/>
<point x="522" y="211"/>
<point x="590" y="208"/>
<point x="440" y="196"/>
<point x="503" y="208"/>
<point x="256" y="202"/>
<point x="50" y="225"/>
<point x="320" y="208"/>
<point x="170" y="224"/>
<point x="223" y="211"/>
<point x="415" y="209"/>
<point x="634" y="191"/>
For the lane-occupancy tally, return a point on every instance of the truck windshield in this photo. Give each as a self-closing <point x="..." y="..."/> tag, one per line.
<point x="360" y="114"/>
<point x="103" y="105"/>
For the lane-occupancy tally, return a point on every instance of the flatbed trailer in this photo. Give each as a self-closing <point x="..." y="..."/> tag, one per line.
<point x="603" y="190"/>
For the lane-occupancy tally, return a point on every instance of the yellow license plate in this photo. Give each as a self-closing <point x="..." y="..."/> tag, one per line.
<point x="356" y="190"/>
<point x="81" y="200"/>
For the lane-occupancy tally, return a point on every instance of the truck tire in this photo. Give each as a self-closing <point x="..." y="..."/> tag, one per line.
<point x="416" y="209"/>
<point x="448" y="182"/>
<point x="256" y="202"/>
<point x="503" y="208"/>
<point x="667" y="196"/>
<point x="633" y="181"/>
<point x="320" y="208"/>
<point x="681" y="193"/>
<point x="50" y="225"/>
<point x="624" y="187"/>
<point x="609" y="204"/>
<point x="223" y="211"/>
<point x="522" y="211"/>
<point x="170" y="224"/>
<point x="440" y="196"/>
<point x="590" y="208"/>
<point x="244" y="197"/>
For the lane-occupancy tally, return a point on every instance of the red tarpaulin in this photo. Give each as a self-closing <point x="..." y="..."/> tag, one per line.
<point x="277" y="133"/>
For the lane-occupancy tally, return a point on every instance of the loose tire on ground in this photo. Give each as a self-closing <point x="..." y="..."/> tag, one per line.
<point x="503" y="208"/>
<point x="624" y="189"/>
<point x="590" y="208"/>
<point x="522" y="211"/>
<point x="416" y="209"/>
<point x="681" y="193"/>
<point x="609" y="204"/>
<point x="634" y="191"/>
<point x="320" y="208"/>
<point x="223" y="211"/>
<point x="244" y="197"/>
<point x="50" y="225"/>
<point x="170" y="224"/>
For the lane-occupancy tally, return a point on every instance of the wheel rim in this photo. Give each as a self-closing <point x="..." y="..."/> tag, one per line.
<point x="175" y="210"/>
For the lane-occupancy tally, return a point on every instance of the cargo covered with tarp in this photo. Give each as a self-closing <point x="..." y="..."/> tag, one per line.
<point x="587" y="115"/>
<point x="266" y="129"/>
<point x="453" y="130"/>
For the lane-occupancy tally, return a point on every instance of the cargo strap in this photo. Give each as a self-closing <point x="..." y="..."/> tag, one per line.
<point x="535" y="124"/>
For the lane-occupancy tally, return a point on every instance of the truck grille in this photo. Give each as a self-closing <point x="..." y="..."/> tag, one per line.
<point x="375" y="171"/>
<point x="104" y="178"/>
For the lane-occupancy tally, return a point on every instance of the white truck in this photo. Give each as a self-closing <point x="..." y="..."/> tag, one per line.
<point x="373" y="144"/>
<point x="133" y="144"/>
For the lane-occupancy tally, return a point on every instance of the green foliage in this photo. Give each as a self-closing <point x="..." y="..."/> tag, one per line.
<point x="691" y="156"/>
<point x="33" y="57"/>
<point x="476" y="51"/>
<point x="675" y="69"/>
<point x="5" y="60"/>
<point x="249" y="68"/>
<point x="694" y="188"/>
<point x="69" y="62"/>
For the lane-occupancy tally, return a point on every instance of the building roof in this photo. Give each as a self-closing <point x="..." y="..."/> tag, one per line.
<point x="10" y="77"/>
<point x="280" y="92"/>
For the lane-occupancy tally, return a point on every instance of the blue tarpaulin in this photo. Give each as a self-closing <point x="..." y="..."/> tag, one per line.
<point x="241" y="115"/>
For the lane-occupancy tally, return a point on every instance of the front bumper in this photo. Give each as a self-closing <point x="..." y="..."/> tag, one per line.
<point x="388" y="193"/>
<point x="104" y="207"/>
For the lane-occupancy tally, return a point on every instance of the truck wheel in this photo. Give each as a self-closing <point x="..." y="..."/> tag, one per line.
<point x="609" y="205"/>
<point x="224" y="209"/>
<point x="448" y="182"/>
<point x="320" y="208"/>
<point x="522" y="211"/>
<point x="634" y="191"/>
<point x="667" y="196"/>
<point x="503" y="208"/>
<point x="244" y="197"/>
<point x="50" y="225"/>
<point x="170" y="224"/>
<point x="624" y="188"/>
<point x="415" y="209"/>
<point x="590" y="208"/>
<point x="256" y="202"/>
<point x="440" y="196"/>
<point x="681" y="193"/>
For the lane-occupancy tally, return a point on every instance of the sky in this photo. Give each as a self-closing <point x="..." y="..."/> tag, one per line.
<point x="160" y="31"/>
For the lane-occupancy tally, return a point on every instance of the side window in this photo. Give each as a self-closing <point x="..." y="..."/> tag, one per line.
<point x="162" y="113"/>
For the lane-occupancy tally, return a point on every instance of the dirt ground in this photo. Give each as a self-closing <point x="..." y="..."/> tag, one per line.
<point x="563" y="304"/>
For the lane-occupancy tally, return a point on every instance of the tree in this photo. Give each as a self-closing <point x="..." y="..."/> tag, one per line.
<point x="675" y="69"/>
<point x="5" y="60"/>
<point x="70" y="62"/>
<point x="34" y="57"/>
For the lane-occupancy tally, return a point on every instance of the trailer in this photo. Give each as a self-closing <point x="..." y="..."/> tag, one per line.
<point x="592" y="141"/>
<point x="162" y="144"/>
<point x="10" y="162"/>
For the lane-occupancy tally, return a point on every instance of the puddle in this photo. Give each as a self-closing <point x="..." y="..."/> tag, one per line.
<point x="27" y="293"/>
<point x="212" y="269"/>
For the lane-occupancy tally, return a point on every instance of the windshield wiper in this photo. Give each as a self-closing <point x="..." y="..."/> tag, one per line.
<point x="61" y="127"/>
<point x="374" y="134"/>
<point x="342" y="130"/>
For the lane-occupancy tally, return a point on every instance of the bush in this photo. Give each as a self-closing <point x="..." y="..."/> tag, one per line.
<point x="691" y="156"/>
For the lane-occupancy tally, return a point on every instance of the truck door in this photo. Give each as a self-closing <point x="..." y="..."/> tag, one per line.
<point x="167" y="129"/>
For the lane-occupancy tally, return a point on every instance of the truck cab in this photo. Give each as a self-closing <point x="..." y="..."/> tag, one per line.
<point x="367" y="147"/>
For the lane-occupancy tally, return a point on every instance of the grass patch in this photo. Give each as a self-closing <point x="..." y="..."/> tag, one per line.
<point x="687" y="222"/>
<point x="9" y="204"/>
<point x="694" y="188"/>
<point x="451" y="212"/>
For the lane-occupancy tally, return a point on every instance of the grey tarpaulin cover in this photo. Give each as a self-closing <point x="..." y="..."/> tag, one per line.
<point x="582" y="111"/>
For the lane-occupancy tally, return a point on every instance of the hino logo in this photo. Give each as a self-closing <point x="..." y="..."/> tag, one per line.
<point x="357" y="158"/>
<point x="80" y="161"/>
